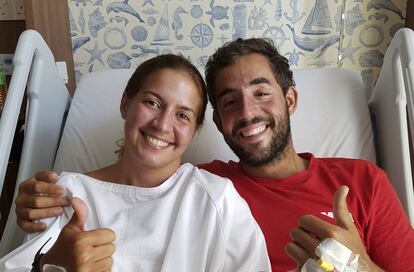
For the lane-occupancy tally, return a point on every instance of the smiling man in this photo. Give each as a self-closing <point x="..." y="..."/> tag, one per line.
<point x="253" y="94"/>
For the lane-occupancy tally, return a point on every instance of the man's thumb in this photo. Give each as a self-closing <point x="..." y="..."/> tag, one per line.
<point x="80" y="214"/>
<point x="340" y="209"/>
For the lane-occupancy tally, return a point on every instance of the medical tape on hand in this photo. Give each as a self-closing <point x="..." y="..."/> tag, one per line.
<point x="334" y="256"/>
<point x="341" y="257"/>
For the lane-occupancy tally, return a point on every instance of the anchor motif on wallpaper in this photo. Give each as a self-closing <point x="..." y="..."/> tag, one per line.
<point x="295" y="13"/>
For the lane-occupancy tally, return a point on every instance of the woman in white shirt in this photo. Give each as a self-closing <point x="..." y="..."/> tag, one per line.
<point x="147" y="212"/>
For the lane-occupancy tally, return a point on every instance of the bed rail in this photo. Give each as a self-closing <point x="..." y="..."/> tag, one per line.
<point x="47" y="100"/>
<point x="391" y="100"/>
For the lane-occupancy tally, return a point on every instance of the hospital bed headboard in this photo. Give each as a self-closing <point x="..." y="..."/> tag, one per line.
<point x="47" y="100"/>
<point x="392" y="99"/>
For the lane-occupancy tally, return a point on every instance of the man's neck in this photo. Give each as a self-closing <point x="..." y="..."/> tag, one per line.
<point x="287" y="164"/>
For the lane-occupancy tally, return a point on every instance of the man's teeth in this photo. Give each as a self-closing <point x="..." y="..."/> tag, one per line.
<point x="156" y="142"/>
<point x="254" y="131"/>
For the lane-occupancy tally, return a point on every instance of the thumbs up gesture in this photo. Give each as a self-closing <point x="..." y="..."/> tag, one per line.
<point x="80" y="250"/>
<point x="312" y="230"/>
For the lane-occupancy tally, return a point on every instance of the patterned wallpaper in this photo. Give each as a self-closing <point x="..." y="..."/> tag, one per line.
<point x="114" y="34"/>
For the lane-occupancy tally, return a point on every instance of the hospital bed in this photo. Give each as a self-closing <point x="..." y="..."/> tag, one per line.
<point x="333" y="119"/>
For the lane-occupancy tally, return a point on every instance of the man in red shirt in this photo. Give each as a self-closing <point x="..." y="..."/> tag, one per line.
<point x="253" y="94"/>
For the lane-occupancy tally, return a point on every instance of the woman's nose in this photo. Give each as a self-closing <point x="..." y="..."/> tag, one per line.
<point x="163" y="121"/>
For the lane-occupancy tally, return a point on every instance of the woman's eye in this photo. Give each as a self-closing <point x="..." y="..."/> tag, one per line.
<point x="184" y="116"/>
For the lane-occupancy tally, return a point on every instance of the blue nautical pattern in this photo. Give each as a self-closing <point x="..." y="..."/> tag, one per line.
<point x="122" y="8"/>
<point x="139" y="33"/>
<point x="96" y="22"/>
<point x="115" y="34"/>
<point x="217" y="13"/>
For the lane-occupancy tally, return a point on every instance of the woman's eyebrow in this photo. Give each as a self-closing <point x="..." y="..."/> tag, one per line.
<point x="181" y="107"/>
<point x="185" y="108"/>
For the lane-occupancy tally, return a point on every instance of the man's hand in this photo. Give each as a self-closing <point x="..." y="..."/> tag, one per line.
<point x="39" y="198"/>
<point x="312" y="230"/>
<point x="80" y="250"/>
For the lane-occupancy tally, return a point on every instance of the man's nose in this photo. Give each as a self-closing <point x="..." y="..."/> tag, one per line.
<point x="247" y="108"/>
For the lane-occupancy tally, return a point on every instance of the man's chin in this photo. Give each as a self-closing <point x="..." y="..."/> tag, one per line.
<point x="254" y="162"/>
<point x="252" y="158"/>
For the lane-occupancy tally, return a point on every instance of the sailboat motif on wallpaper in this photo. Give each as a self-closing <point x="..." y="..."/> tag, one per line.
<point x="319" y="19"/>
<point x="162" y="33"/>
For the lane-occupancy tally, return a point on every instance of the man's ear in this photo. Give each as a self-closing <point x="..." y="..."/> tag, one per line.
<point x="123" y="107"/>
<point x="292" y="99"/>
<point x="217" y="121"/>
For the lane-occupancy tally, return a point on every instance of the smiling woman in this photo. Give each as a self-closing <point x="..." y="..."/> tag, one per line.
<point x="148" y="212"/>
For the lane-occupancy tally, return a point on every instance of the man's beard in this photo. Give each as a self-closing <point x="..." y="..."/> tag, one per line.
<point x="274" y="151"/>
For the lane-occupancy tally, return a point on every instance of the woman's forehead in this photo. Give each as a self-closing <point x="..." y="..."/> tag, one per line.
<point x="174" y="86"/>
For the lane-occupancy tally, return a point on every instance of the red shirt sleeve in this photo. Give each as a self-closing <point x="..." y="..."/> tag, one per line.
<point x="389" y="235"/>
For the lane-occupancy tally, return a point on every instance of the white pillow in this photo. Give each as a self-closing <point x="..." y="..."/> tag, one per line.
<point x="332" y="120"/>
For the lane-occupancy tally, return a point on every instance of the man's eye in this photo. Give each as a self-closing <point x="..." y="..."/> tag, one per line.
<point x="261" y="94"/>
<point x="153" y="104"/>
<point x="228" y="102"/>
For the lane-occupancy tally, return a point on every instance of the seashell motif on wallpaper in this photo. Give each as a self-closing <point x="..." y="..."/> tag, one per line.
<point x="354" y="34"/>
<point x="119" y="60"/>
<point x="96" y="22"/>
<point x="139" y="33"/>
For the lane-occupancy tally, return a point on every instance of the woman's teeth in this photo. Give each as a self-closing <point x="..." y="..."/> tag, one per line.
<point x="156" y="142"/>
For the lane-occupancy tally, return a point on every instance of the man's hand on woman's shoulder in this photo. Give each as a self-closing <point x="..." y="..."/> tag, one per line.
<point x="39" y="198"/>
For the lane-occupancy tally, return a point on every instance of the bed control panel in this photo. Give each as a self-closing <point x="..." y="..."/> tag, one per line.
<point x="6" y="62"/>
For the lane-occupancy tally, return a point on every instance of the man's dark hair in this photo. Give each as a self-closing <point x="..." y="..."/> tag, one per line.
<point x="231" y="51"/>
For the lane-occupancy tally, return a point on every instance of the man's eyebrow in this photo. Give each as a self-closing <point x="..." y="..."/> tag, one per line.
<point x="256" y="81"/>
<point x="259" y="80"/>
<point x="224" y="92"/>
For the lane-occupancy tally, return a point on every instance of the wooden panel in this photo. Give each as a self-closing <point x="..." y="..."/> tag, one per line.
<point x="51" y="19"/>
<point x="409" y="20"/>
<point x="10" y="32"/>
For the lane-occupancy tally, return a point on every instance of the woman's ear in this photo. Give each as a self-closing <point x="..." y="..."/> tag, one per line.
<point x="292" y="99"/>
<point x="124" y="105"/>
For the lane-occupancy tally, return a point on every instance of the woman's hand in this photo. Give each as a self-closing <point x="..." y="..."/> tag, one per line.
<point x="80" y="250"/>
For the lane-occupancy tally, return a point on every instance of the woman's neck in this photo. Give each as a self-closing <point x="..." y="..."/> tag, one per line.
<point x="130" y="172"/>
